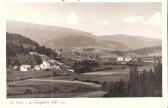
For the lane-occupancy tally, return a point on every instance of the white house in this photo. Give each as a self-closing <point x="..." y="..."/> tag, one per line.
<point x="57" y="67"/>
<point x="33" y="53"/>
<point x="37" y="67"/>
<point x="127" y="59"/>
<point x="15" y="67"/>
<point x="45" y="65"/>
<point x="120" y="58"/>
<point x="71" y="70"/>
<point x="25" y="68"/>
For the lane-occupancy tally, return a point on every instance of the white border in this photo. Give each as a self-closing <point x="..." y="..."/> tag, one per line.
<point x="84" y="1"/>
<point x="160" y="102"/>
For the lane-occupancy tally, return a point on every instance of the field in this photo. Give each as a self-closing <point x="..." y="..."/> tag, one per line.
<point x="22" y="84"/>
<point x="61" y="84"/>
<point x="18" y="75"/>
<point x="96" y="77"/>
<point x="48" y="88"/>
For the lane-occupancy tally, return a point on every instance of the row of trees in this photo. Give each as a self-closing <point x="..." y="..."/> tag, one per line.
<point x="13" y="51"/>
<point x="140" y="84"/>
<point x="20" y="59"/>
<point x="46" y="51"/>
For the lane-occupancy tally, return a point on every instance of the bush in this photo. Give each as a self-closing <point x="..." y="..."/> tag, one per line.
<point x="28" y="91"/>
<point x="123" y="67"/>
<point x="76" y="79"/>
<point x="54" y="73"/>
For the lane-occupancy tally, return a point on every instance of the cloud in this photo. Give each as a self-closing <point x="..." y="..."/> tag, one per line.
<point x="106" y="22"/>
<point x="134" y="19"/>
<point x="154" y="20"/>
<point x="72" y="19"/>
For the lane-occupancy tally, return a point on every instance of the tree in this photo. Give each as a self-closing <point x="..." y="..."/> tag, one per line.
<point x="84" y="66"/>
<point x="140" y="84"/>
<point x="120" y="89"/>
<point x="104" y="86"/>
<point x="38" y="60"/>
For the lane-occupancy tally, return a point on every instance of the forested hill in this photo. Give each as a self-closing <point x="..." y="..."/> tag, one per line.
<point x="18" y="47"/>
<point x="20" y="40"/>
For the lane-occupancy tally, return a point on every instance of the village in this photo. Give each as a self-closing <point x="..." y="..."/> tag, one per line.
<point x="37" y="71"/>
<point x="49" y="63"/>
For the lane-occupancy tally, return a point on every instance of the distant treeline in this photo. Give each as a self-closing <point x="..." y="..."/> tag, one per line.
<point x="18" y="48"/>
<point x="140" y="84"/>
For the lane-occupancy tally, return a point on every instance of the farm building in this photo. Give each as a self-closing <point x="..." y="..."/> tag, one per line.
<point x="127" y="59"/>
<point x="123" y="60"/>
<point x="120" y="59"/>
<point x="71" y="70"/>
<point x="45" y="65"/>
<point x="37" y="67"/>
<point x="25" y="68"/>
<point x="33" y="53"/>
<point x="15" y="67"/>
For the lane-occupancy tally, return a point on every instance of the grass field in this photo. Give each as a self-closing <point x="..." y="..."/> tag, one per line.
<point x="60" y="85"/>
<point x="96" y="77"/>
<point x="20" y="84"/>
<point x="18" y="75"/>
<point x="30" y="88"/>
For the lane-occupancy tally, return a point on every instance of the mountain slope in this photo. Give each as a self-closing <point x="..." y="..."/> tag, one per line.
<point x="84" y="41"/>
<point x="133" y="42"/>
<point x="72" y="41"/>
<point x="148" y="50"/>
<point x="41" y="33"/>
<point x="54" y="37"/>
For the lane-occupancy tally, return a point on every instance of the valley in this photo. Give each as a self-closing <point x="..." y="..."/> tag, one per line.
<point x="57" y="62"/>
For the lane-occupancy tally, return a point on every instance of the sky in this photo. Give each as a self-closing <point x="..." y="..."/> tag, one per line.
<point x="139" y="19"/>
